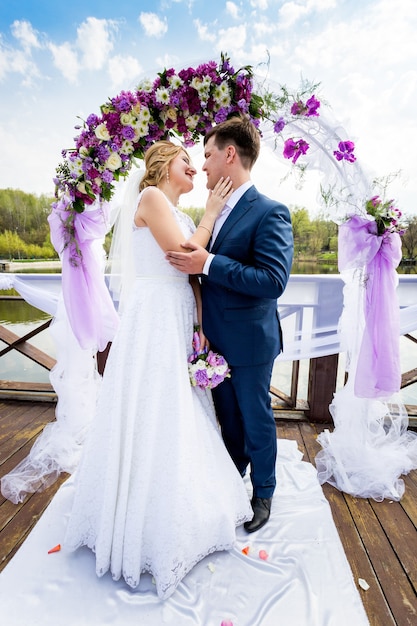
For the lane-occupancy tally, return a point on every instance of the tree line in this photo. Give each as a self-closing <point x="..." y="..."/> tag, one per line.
<point x="24" y="230"/>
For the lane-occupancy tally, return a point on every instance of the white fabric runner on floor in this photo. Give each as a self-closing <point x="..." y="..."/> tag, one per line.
<point x="304" y="581"/>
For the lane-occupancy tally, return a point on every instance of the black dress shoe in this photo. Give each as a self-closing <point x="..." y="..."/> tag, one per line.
<point x="261" y="512"/>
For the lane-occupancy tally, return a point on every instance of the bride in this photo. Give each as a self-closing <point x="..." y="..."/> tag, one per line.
<point x="156" y="490"/>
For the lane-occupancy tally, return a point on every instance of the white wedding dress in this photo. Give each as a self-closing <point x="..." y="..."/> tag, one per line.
<point x="156" y="490"/>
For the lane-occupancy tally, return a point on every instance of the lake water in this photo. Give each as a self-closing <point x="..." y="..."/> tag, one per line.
<point x="21" y="318"/>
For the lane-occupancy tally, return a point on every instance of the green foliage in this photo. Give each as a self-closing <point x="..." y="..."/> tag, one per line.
<point x="195" y="213"/>
<point x="313" y="236"/>
<point x="24" y="228"/>
<point x="409" y="239"/>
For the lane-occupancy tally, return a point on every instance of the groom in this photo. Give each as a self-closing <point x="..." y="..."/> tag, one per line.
<point x="242" y="276"/>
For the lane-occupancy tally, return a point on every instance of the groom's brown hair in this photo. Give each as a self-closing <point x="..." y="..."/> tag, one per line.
<point x="242" y="133"/>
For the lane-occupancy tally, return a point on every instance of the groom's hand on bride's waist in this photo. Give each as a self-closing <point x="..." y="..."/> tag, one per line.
<point x="190" y="262"/>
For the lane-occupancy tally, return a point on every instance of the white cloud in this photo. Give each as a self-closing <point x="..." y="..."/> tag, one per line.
<point x="167" y="60"/>
<point x="258" y="54"/>
<point x="14" y="60"/>
<point x="124" y="71"/>
<point x="232" y="9"/>
<point x="383" y="35"/>
<point x="153" y="25"/>
<point x="264" y="28"/>
<point x="232" y="39"/>
<point x="65" y="60"/>
<point x="292" y="12"/>
<point x="259" y="4"/>
<point x="90" y="50"/>
<point x="94" y="40"/>
<point x="370" y="81"/>
<point x="321" y="5"/>
<point x="204" y="32"/>
<point x="25" y="34"/>
<point x="4" y="61"/>
<point x="18" y="60"/>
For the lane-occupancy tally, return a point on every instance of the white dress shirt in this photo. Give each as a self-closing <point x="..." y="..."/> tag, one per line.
<point x="227" y="209"/>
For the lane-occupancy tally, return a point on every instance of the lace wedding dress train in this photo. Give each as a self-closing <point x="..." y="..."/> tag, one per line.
<point x="156" y="490"/>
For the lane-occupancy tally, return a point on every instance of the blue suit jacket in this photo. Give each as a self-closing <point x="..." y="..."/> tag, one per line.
<point x="253" y="257"/>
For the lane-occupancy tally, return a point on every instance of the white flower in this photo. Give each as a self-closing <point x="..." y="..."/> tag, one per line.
<point x="127" y="147"/>
<point x="225" y="100"/>
<point x="175" y="81"/>
<point x="172" y="114"/>
<point x="141" y="128"/>
<point x="144" y="115"/>
<point x="102" y="133"/>
<point x="114" y="162"/>
<point x="145" y="85"/>
<point x="75" y="167"/>
<point x="192" y="121"/>
<point x="201" y="85"/>
<point x="162" y="95"/>
<point x="196" y="83"/>
<point x="221" y="91"/>
<point x="169" y="114"/>
<point x="127" y="119"/>
<point x="81" y="187"/>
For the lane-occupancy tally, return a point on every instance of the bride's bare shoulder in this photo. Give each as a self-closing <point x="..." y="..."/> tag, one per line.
<point x="151" y="201"/>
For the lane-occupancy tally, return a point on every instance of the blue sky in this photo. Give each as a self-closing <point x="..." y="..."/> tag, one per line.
<point x="62" y="60"/>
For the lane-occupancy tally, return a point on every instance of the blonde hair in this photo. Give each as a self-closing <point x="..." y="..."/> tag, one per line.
<point x="157" y="160"/>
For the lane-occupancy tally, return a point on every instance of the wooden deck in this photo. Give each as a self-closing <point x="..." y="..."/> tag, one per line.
<point x="380" y="539"/>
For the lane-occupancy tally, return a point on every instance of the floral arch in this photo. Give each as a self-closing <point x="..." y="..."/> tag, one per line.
<point x="185" y="104"/>
<point x="370" y="446"/>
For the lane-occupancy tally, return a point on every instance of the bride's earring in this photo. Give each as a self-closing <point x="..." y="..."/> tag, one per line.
<point x="167" y="177"/>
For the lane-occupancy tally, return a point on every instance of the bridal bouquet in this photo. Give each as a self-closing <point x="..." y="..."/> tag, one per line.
<point x="207" y="369"/>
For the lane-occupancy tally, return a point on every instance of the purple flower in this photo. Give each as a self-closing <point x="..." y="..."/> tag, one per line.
<point x="312" y="105"/>
<point x="345" y="151"/>
<point x="243" y="105"/>
<point x="216" y="379"/>
<point x="309" y="109"/>
<point x="279" y="125"/>
<point x="124" y="101"/>
<point x="221" y="115"/>
<point x="107" y="176"/>
<point x="211" y="359"/>
<point x="92" y="173"/>
<point x="92" y="120"/>
<point x="226" y="67"/>
<point x="87" y="164"/>
<point x="103" y="153"/>
<point x="294" y="149"/>
<point x="128" y="132"/>
<point x="297" y="108"/>
<point x="201" y="378"/>
<point x="188" y="140"/>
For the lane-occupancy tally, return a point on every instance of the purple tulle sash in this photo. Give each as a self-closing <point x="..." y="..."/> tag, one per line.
<point x="378" y="372"/>
<point x="88" y="303"/>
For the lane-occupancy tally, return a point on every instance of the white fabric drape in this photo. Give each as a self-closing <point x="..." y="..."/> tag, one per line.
<point x="76" y="381"/>
<point x="303" y="579"/>
<point x="370" y="446"/>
